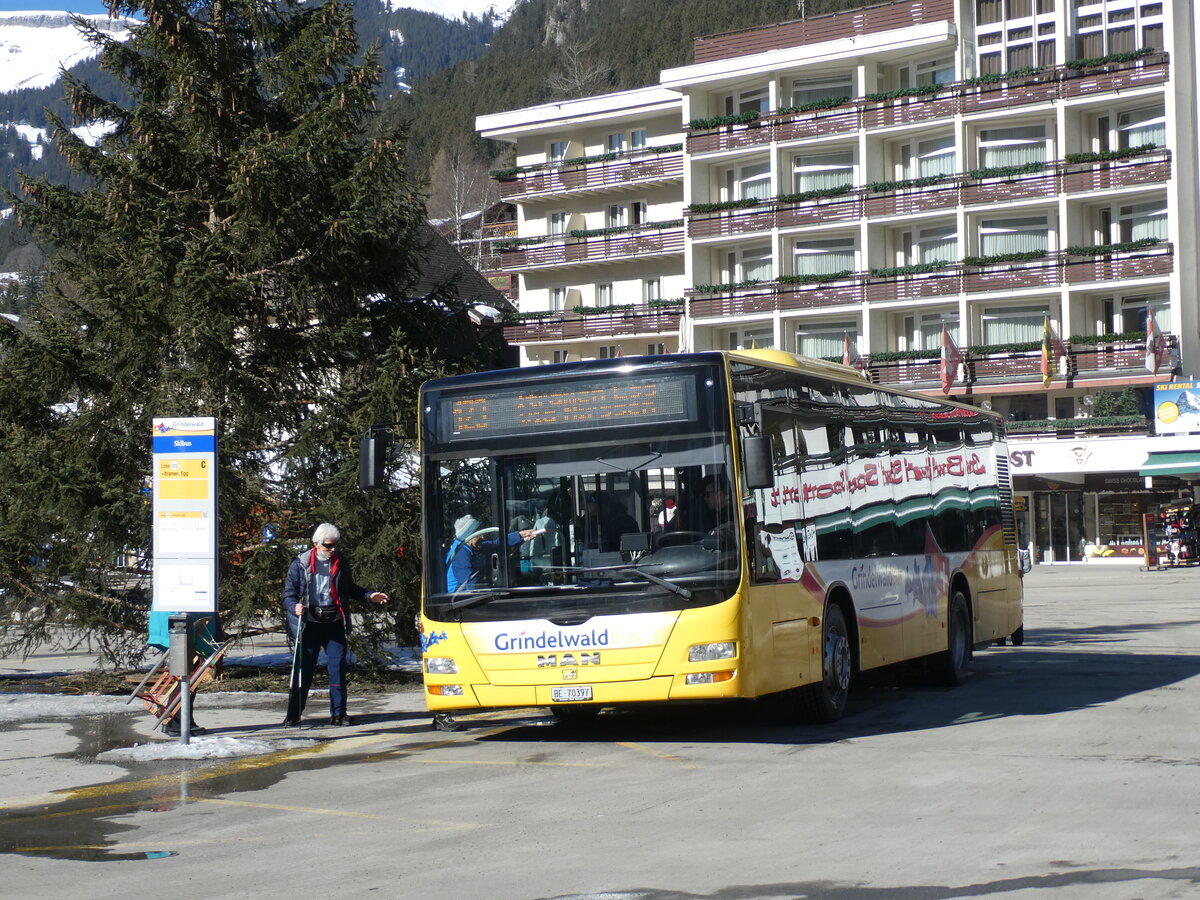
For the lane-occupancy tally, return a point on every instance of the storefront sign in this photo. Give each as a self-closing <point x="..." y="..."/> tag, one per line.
<point x="1176" y="407"/>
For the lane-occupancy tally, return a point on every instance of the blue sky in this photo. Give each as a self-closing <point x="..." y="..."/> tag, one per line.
<point x="75" y="6"/>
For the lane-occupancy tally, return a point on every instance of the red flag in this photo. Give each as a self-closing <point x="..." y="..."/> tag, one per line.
<point x="1053" y="351"/>
<point x="850" y="355"/>
<point x="1156" y="344"/>
<point x="952" y="360"/>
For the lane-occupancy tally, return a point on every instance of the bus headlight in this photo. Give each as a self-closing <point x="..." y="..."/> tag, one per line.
<point x="709" y="652"/>
<point x="446" y="690"/>
<point x="707" y="677"/>
<point x="440" y="665"/>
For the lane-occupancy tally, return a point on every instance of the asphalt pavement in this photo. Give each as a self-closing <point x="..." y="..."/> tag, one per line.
<point x="1068" y="767"/>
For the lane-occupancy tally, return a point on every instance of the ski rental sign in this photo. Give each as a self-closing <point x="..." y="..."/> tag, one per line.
<point x="185" y="514"/>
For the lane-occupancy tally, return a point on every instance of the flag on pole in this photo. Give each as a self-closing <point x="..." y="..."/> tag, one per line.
<point x="1156" y="344"/>
<point x="1053" y="350"/>
<point x="850" y="355"/>
<point x="952" y="360"/>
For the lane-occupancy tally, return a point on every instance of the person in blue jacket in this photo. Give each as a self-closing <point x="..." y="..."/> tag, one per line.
<point x="469" y="552"/>
<point x="319" y="587"/>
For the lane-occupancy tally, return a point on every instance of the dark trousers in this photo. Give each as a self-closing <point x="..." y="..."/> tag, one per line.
<point x="332" y="639"/>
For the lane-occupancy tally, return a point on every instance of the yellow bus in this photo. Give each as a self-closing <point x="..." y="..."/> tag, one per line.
<point x="704" y="526"/>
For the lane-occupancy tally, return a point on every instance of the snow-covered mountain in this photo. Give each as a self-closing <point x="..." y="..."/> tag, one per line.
<point x="35" y="45"/>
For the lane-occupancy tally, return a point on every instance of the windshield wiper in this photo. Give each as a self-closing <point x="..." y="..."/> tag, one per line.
<point x="661" y="582"/>
<point x="476" y="599"/>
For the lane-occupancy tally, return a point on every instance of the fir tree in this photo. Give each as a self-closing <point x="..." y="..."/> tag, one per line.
<point x="246" y="252"/>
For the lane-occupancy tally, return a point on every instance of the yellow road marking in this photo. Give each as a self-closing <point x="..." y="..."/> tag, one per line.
<point x="669" y="757"/>
<point x="507" y="762"/>
<point x="315" y="810"/>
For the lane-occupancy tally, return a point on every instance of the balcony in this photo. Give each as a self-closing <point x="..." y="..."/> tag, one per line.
<point x="1060" y="177"/>
<point x="572" y="326"/>
<point x="1119" y="360"/>
<point x="593" y="174"/>
<point x="960" y="98"/>
<point x="641" y="243"/>
<point x="1050" y="272"/>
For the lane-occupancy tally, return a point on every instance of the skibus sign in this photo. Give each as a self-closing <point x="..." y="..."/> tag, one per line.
<point x="825" y="489"/>
<point x="185" y="514"/>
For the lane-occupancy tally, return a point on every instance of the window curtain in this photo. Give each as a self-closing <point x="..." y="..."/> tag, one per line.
<point x="1000" y="236"/>
<point x="823" y="257"/>
<point x="1013" y="326"/>
<point x="754" y="182"/>
<point x="756" y="264"/>
<point x="829" y="341"/>
<point x="937" y="245"/>
<point x="818" y="173"/>
<point x="935" y="157"/>
<point x="1143" y="220"/>
<point x="1011" y="146"/>
<point x="1142" y="126"/>
<point x="931" y="330"/>
<point x="812" y="90"/>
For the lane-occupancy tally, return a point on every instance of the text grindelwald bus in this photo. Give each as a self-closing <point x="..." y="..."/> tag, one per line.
<point x="704" y="526"/>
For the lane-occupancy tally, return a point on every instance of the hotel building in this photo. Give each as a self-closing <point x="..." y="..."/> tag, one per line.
<point x="878" y="177"/>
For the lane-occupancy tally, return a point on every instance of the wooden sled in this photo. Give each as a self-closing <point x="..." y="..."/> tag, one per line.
<point x="162" y="696"/>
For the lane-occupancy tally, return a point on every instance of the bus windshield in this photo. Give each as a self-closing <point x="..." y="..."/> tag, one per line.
<point x="567" y="523"/>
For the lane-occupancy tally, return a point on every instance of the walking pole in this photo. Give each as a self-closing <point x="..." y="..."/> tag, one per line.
<point x="294" y="680"/>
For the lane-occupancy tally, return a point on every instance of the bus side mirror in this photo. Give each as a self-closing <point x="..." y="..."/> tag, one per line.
<point x="759" y="459"/>
<point x="372" y="459"/>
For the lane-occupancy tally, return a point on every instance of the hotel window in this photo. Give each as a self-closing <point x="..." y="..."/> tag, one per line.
<point x="989" y="12"/>
<point x="812" y="90"/>
<point x="558" y="151"/>
<point x="749" y="264"/>
<point x="818" y="172"/>
<point x="761" y="338"/>
<point x="558" y="224"/>
<point x="1139" y="127"/>
<point x="748" y="182"/>
<point x="558" y="298"/>
<point x="934" y="244"/>
<point x="656" y="349"/>
<point x="931" y="71"/>
<point x="614" y="216"/>
<point x="1047" y="54"/>
<point x="1001" y="147"/>
<point x="616" y="142"/>
<point x="1142" y="220"/>
<point x="652" y="290"/>
<point x="1013" y="325"/>
<point x="637" y="139"/>
<point x="934" y="156"/>
<point x="747" y="101"/>
<point x="560" y="356"/>
<point x="1013" y="235"/>
<point x="604" y="295"/>
<point x="1020" y="9"/>
<point x="991" y="63"/>
<point x="1134" y="316"/>
<point x="812" y="257"/>
<point x="637" y="212"/>
<point x="825" y="339"/>
<point x="612" y="351"/>
<point x="924" y="332"/>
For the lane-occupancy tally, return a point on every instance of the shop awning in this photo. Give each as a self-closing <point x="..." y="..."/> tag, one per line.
<point x="1179" y="462"/>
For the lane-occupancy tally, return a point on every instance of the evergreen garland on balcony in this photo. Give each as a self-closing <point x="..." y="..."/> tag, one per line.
<point x="603" y="310"/>
<point x="1093" y="61"/>
<point x="1108" y="249"/>
<point x="727" y="286"/>
<point x="915" y="269"/>
<point x="815" y="279"/>
<point x="814" y="106"/>
<point x="883" y="187"/>
<point x="1021" y="256"/>
<point x="582" y="233"/>
<point x="518" y="243"/>
<point x="1023" y="72"/>
<point x="805" y="196"/>
<point x="1075" y="424"/>
<point x="718" y="121"/>
<point x="1109" y="155"/>
<point x="721" y="205"/>
<point x="919" y="91"/>
<point x="1007" y="171"/>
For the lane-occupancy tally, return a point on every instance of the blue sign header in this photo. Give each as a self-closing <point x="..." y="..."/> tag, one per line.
<point x="185" y="443"/>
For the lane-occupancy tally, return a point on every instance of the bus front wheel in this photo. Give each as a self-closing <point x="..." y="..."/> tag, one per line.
<point x="952" y="664"/>
<point x="826" y="700"/>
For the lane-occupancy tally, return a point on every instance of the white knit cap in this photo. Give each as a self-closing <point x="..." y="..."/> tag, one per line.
<point x="465" y="527"/>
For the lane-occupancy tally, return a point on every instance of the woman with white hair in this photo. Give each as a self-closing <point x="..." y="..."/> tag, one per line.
<point x="316" y="605"/>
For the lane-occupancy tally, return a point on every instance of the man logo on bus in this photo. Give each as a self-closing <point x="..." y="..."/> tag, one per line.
<point x="568" y="659"/>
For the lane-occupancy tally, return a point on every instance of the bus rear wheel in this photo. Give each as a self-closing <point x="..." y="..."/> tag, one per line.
<point x="825" y="701"/>
<point x="1018" y="637"/>
<point x="952" y="664"/>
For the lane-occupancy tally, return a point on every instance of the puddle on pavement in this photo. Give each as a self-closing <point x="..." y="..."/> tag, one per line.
<point x="84" y="826"/>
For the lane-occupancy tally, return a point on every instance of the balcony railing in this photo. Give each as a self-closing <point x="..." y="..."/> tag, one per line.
<point x="1059" y="177"/>
<point x="608" y="248"/>
<point x="639" y="167"/>
<point x="571" y="326"/>
<point x="1054" y="270"/>
<point x="1117" y="360"/>
<point x="960" y="98"/>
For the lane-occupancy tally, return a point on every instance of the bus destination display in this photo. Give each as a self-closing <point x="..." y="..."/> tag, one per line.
<point x="567" y="407"/>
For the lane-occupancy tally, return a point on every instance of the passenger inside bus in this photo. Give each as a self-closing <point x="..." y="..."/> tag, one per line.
<point x="466" y="560"/>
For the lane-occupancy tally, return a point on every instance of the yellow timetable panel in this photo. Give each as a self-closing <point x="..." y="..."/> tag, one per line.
<point x="183" y="479"/>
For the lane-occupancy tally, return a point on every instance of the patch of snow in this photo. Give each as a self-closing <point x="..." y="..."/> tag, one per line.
<point x="203" y="748"/>
<point x="33" y="46"/>
<point x="461" y="8"/>
<point x="28" y="707"/>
